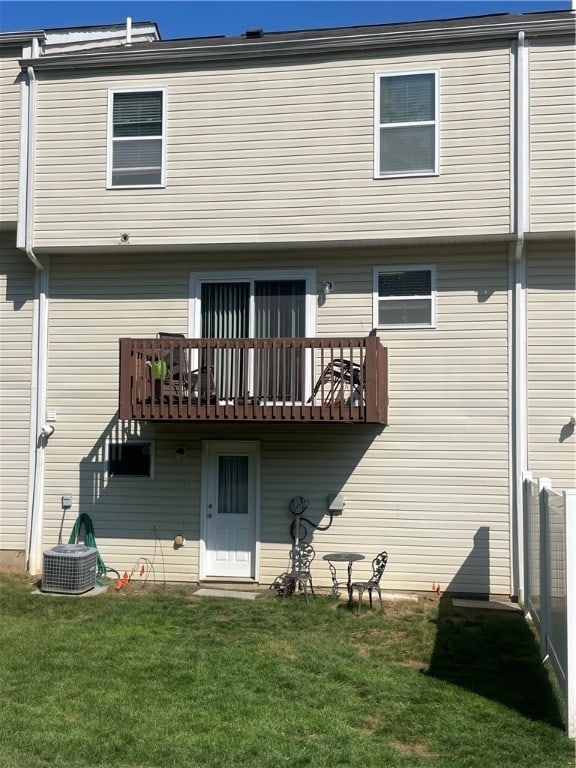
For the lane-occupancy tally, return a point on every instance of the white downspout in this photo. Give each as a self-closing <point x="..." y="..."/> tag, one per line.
<point x="518" y="339"/>
<point x="40" y="329"/>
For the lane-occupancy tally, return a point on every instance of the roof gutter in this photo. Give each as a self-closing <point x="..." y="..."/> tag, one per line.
<point x="136" y="56"/>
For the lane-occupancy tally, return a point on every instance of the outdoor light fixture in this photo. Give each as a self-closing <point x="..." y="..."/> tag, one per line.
<point x="327" y="287"/>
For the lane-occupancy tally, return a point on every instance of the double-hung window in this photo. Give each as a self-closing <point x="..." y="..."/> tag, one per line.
<point x="406" y="124"/>
<point x="136" y="138"/>
<point x="405" y="297"/>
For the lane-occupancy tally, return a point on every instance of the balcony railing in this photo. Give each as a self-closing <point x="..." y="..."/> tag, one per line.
<point x="276" y="380"/>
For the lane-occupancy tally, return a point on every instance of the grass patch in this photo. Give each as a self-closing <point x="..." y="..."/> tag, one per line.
<point x="162" y="679"/>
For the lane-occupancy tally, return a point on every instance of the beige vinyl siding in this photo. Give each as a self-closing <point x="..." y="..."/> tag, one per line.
<point x="277" y="151"/>
<point x="552" y="362"/>
<point x="10" y="133"/>
<point x="16" y="324"/>
<point x="553" y="139"/>
<point x="432" y="488"/>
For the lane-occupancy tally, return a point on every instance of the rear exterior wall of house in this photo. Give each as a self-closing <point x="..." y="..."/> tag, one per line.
<point x="10" y="134"/>
<point x="16" y="328"/>
<point x="277" y="151"/>
<point x="551" y="362"/>
<point x="432" y="487"/>
<point x="272" y="156"/>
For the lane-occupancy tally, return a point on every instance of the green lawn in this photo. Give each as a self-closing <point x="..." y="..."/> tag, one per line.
<point x="160" y="678"/>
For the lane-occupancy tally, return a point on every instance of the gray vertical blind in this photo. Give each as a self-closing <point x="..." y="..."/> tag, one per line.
<point x="279" y="312"/>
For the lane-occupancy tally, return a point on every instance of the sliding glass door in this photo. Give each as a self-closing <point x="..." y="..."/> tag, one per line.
<point x="279" y="314"/>
<point x="262" y="309"/>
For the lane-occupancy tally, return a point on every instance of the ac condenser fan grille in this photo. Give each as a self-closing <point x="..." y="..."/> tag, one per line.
<point x="69" y="569"/>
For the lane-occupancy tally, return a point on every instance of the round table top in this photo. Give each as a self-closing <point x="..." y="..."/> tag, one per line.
<point x="344" y="557"/>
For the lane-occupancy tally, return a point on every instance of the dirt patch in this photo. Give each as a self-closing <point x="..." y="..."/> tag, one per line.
<point x="369" y="725"/>
<point x="420" y="750"/>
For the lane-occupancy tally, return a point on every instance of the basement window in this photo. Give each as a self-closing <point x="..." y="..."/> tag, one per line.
<point x="131" y="459"/>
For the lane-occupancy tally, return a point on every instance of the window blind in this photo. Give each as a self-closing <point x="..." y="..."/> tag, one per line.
<point x="137" y="114"/>
<point x="407" y="98"/>
<point x="407" y="124"/>
<point x="137" y="139"/>
<point x="409" y="283"/>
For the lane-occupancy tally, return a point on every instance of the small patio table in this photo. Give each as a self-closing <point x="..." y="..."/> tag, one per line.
<point x="342" y="557"/>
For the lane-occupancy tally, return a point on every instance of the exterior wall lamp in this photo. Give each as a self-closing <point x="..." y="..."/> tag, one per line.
<point x="327" y="288"/>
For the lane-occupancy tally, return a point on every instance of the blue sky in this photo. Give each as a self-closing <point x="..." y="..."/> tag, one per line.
<point x="188" y="18"/>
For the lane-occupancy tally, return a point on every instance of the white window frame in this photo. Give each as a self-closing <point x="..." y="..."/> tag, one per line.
<point x="376" y="299"/>
<point x="252" y="276"/>
<point x="112" y="441"/>
<point x="110" y="137"/>
<point x="379" y="76"/>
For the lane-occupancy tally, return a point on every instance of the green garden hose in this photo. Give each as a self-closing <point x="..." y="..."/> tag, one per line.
<point x="90" y="541"/>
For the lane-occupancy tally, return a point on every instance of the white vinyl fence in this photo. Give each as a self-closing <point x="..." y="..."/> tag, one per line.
<point x="550" y="589"/>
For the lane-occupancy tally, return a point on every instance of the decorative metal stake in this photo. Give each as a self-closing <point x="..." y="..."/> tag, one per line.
<point x="298" y="531"/>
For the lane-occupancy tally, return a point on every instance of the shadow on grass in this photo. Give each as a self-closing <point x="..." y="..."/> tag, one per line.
<point x="490" y="652"/>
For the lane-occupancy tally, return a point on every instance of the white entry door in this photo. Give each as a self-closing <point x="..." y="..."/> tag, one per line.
<point x="230" y="509"/>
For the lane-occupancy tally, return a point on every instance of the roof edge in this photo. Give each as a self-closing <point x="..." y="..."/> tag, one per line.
<point x="25" y="36"/>
<point x="204" y="51"/>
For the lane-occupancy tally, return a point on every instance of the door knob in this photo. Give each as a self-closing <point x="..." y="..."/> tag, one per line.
<point x="210" y="514"/>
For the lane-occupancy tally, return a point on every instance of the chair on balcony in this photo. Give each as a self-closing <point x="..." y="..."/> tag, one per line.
<point x="378" y="566"/>
<point x="198" y="385"/>
<point x="340" y="381"/>
<point x="298" y="576"/>
<point x="202" y="385"/>
<point x="174" y="368"/>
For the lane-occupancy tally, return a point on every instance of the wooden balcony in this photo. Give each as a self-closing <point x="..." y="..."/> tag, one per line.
<point x="273" y="380"/>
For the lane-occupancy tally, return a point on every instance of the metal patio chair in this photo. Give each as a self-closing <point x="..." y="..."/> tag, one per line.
<point x="298" y="576"/>
<point x="175" y="364"/>
<point x="197" y="384"/>
<point x="378" y="566"/>
<point x="340" y="380"/>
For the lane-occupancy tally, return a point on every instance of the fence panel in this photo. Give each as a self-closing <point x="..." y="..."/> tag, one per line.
<point x="556" y="639"/>
<point x="550" y="576"/>
<point x="532" y="544"/>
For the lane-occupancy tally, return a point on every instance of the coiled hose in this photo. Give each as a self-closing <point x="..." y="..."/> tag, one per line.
<point x="84" y="520"/>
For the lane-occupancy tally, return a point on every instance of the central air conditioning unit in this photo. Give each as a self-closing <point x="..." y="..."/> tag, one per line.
<point x="69" y="569"/>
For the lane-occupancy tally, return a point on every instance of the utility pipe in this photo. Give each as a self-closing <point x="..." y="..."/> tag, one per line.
<point x="518" y="340"/>
<point x="37" y="442"/>
<point x="128" y="31"/>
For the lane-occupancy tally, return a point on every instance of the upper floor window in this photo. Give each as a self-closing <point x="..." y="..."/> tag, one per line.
<point x="136" y="135"/>
<point x="406" y="124"/>
<point x="404" y="297"/>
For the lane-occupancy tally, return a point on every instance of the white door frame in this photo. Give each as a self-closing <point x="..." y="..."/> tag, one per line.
<point x="252" y="447"/>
